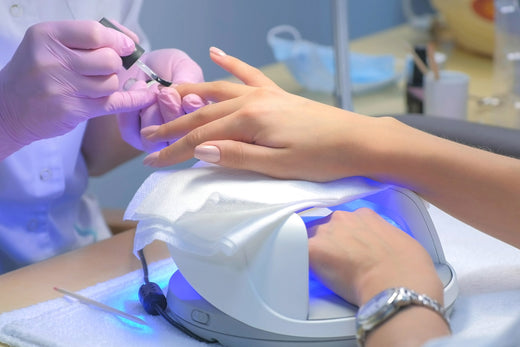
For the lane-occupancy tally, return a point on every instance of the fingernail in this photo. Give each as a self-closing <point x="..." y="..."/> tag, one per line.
<point x="129" y="84"/>
<point x="149" y="130"/>
<point x="151" y="159"/>
<point x="166" y="89"/>
<point x="217" y="51"/>
<point x="209" y="154"/>
<point x="192" y="102"/>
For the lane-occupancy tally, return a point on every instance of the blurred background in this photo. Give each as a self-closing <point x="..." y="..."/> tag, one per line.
<point x="239" y="27"/>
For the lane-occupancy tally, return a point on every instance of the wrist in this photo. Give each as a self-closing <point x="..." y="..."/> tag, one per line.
<point x="419" y="275"/>
<point x="377" y="147"/>
<point x="412" y="326"/>
<point x="406" y="156"/>
<point x="392" y="151"/>
<point x="432" y="289"/>
<point x="391" y="303"/>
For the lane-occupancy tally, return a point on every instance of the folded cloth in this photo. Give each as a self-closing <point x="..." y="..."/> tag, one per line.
<point x="68" y="323"/>
<point x="211" y="209"/>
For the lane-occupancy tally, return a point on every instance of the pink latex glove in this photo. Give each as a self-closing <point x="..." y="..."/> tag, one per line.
<point x="62" y="74"/>
<point x="172" y="65"/>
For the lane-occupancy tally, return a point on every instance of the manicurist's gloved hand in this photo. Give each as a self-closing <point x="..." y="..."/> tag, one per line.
<point x="172" y="65"/>
<point x="62" y="74"/>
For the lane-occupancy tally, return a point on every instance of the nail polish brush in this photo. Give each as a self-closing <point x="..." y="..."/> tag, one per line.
<point x="133" y="58"/>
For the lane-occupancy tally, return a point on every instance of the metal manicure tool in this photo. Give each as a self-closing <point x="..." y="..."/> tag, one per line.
<point x="101" y="306"/>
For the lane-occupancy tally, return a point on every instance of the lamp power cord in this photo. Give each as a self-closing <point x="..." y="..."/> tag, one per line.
<point x="154" y="302"/>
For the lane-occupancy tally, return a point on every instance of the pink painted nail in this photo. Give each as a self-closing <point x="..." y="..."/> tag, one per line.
<point x="151" y="159"/>
<point x="217" y="51"/>
<point x="149" y="130"/>
<point x="209" y="154"/>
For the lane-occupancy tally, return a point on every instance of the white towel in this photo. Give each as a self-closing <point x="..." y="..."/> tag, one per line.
<point x="65" y="322"/>
<point x="212" y="209"/>
<point x="488" y="272"/>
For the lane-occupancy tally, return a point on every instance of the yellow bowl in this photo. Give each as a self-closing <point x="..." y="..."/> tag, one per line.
<point x="471" y="22"/>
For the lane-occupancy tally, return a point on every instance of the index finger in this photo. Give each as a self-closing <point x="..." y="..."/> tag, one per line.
<point x="246" y="73"/>
<point x="88" y="34"/>
<point x="214" y="91"/>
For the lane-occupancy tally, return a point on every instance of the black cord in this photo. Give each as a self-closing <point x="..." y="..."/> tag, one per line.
<point x="154" y="302"/>
<point x="143" y="265"/>
<point x="182" y="327"/>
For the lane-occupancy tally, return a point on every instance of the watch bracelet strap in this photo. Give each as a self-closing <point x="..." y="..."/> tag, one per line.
<point x="416" y="299"/>
<point x="426" y="301"/>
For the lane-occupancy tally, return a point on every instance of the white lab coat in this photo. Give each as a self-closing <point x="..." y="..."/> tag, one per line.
<point x="44" y="210"/>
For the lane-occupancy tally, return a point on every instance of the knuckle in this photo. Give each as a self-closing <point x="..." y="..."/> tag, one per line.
<point x="38" y="30"/>
<point x="162" y="132"/>
<point x="365" y="211"/>
<point x="200" y="116"/>
<point x="238" y="157"/>
<point x="167" y="131"/>
<point x="194" y="137"/>
<point x="256" y="106"/>
<point x="251" y="110"/>
<point x="98" y="32"/>
<point x="266" y="92"/>
<point x="342" y="217"/>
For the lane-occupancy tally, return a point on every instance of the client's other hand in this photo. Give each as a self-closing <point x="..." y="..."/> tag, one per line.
<point x="358" y="254"/>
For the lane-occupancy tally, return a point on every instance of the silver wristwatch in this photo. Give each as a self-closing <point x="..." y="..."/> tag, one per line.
<point x="387" y="303"/>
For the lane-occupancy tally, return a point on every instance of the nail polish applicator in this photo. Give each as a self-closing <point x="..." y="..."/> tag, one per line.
<point x="133" y="58"/>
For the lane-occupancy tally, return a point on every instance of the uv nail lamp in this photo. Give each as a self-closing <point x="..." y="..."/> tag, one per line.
<point x="264" y="296"/>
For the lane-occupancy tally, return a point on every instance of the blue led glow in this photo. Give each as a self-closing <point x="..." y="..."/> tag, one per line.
<point x="183" y="290"/>
<point x="127" y="300"/>
<point x="357" y="204"/>
<point x="318" y="289"/>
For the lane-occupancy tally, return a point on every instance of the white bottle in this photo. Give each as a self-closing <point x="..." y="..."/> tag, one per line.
<point x="506" y="63"/>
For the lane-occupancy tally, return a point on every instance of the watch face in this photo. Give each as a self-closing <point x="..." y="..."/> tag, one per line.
<point x="375" y="304"/>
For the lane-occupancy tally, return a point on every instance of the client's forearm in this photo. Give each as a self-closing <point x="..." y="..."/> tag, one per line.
<point x="476" y="186"/>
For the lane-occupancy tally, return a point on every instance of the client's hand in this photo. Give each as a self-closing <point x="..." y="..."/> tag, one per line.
<point x="260" y="127"/>
<point x="359" y="254"/>
<point x="170" y="64"/>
